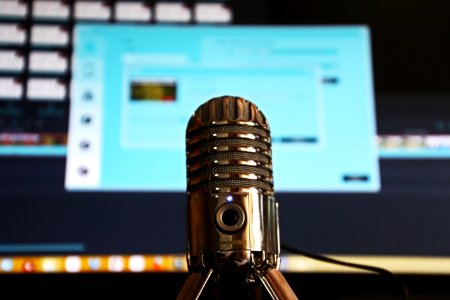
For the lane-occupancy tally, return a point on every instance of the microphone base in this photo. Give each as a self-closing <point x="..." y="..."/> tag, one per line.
<point x="255" y="285"/>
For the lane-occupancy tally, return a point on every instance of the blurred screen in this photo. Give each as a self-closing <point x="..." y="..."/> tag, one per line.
<point x="135" y="88"/>
<point x="356" y="94"/>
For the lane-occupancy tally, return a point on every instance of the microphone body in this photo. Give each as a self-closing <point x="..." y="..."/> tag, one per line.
<point x="232" y="213"/>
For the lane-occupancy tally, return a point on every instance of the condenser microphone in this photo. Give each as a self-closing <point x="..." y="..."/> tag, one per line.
<point x="232" y="215"/>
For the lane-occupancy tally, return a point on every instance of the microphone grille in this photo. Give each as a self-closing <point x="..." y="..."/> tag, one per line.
<point x="228" y="147"/>
<point x="228" y="108"/>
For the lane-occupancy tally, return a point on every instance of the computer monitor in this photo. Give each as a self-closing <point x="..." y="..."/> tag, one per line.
<point x="135" y="88"/>
<point x="388" y="209"/>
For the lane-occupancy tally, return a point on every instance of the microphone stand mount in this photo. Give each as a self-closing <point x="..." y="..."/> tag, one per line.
<point x="240" y="283"/>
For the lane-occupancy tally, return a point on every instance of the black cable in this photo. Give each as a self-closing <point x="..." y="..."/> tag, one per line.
<point x="405" y="293"/>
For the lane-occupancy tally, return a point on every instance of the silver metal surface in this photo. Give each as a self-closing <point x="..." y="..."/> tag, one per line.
<point x="232" y="215"/>
<point x="217" y="128"/>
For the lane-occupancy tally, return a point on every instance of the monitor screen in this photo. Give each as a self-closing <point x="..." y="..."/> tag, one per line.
<point x="95" y="98"/>
<point x="135" y="88"/>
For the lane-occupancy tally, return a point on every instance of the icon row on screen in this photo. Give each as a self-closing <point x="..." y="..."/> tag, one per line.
<point x="93" y="263"/>
<point x="121" y="11"/>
